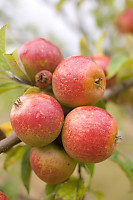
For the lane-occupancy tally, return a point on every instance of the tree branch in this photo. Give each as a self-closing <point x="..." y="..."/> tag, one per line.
<point x="9" y="142"/>
<point x="117" y="89"/>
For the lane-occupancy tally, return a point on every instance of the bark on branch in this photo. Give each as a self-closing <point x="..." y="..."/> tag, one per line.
<point x="12" y="139"/>
<point x="9" y="142"/>
<point x="117" y="89"/>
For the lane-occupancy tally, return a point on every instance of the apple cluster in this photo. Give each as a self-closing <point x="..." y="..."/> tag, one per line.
<point x="61" y="123"/>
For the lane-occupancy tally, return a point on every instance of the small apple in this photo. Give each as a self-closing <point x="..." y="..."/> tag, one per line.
<point x="89" y="134"/>
<point x="124" y="21"/>
<point x="51" y="163"/>
<point x="78" y="81"/>
<point x="3" y="196"/>
<point x="37" y="55"/>
<point x="43" y="79"/>
<point x="37" y="119"/>
<point x="103" y="61"/>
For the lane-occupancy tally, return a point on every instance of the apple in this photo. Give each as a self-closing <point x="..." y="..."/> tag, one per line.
<point x="124" y="21"/>
<point x="37" y="119"/>
<point x="37" y="55"/>
<point x="43" y="79"/>
<point x="103" y="61"/>
<point x="77" y="81"/>
<point x="89" y="134"/>
<point x="3" y="196"/>
<point x="51" y="163"/>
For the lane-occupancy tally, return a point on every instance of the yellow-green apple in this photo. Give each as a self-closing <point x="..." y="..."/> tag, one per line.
<point x="51" y="163"/>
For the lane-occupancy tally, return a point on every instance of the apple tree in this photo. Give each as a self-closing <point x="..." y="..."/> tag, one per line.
<point x="60" y="127"/>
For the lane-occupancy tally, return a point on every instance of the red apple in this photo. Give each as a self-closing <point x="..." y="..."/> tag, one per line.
<point x="103" y="61"/>
<point x="37" y="119"/>
<point x="124" y="21"/>
<point x="51" y="164"/>
<point x="78" y="81"/>
<point x="89" y="134"/>
<point x="3" y="196"/>
<point x="43" y="79"/>
<point x="39" y="54"/>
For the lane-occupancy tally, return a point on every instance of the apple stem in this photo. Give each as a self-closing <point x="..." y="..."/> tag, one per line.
<point x="79" y="172"/>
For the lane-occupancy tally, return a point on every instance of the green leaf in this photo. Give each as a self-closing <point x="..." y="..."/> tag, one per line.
<point x="2" y="38"/>
<point x="90" y="168"/>
<point x="125" y="164"/>
<point x="129" y="43"/>
<point x="13" y="155"/>
<point x="49" y="198"/>
<point x="128" y="4"/>
<point x="126" y="70"/>
<point x="16" y="65"/>
<point x="26" y="169"/>
<point x="8" y="86"/>
<point x="79" y="2"/>
<point x="49" y="189"/>
<point x="99" y="44"/>
<point x="3" y="62"/>
<point x="59" y="4"/>
<point x="100" y="104"/>
<point x="115" y="65"/>
<point x="99" y="195"/>
<point x="33" y="89"/>
<point x="73" y="189"/>
<point x="84" y="47"/>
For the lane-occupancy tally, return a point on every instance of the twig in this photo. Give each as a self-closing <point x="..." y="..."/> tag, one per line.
<point x="117" y="89"/>
<point x="15" y="78"/>
<point x="9" y="142"/>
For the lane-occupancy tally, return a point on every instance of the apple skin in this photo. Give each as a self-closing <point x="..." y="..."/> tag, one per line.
<point x="3" y="196"/>
<point x="74" y="81"/>
<point x="124" y="21"/>
<point x="37" y="119"/>
<point x="103" y="61"/>
<point x="39" y="54"/>
<point x="43" y="79"/>
<point x="89" y="134"/>
<point x="51" y="163"/>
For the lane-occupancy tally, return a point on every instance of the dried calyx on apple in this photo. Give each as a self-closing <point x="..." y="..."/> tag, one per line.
<point x="43" y="79"/>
